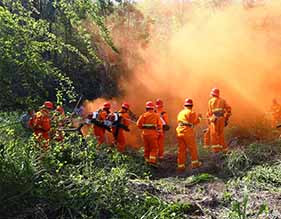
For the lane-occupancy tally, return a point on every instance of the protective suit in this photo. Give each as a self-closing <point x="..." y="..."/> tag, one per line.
<point x="119" y="126"/>
<point x="40" y="123"/>
<point x="187" y="119"/>
<point x="98" y="119"/>
<point x="151" y="124"/>
<point x="218" y="115"/>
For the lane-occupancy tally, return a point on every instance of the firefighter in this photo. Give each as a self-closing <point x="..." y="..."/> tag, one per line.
<point x="218" y="115"/>
<point x="187" y="119"/>
<point x="275" y="111"/>
<point x="121" y="124"/>
<point x="151" y="124"/>
<point x="98" y="119"/>
<point x="164" y="119"/>
<point x="41" y="124"/>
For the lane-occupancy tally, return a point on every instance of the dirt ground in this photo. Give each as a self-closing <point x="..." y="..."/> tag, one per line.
<point x="208" y="200"/>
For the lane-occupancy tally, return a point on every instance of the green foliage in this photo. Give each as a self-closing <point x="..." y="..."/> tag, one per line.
<point x="23" y="70"/>
<point x="238" y="161"/>
<point x="239" y="208"/>
<point x="159" y="209"/>
<point x="73" y="179"/>
<point x="46" y="48"/>
<point x="264" y="177"/>
<point x="200" y="178"/>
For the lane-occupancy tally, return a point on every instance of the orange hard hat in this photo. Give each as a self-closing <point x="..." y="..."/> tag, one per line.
<point x="188" y="102"/>
<point x="149" y="105"/>
<point x="126" y="105"/>
<point x="48" y="105"/>
<point x="215" y="92"/>
<point x="159" y="103"/>
<point x="106" y="105"/>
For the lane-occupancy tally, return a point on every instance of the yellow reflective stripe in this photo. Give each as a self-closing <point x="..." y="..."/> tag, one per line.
<point x="217" y="109"/>
<point x="149" y="125"/>
<point x="217" y="146"/>
<point x="152" y="158"/>
<point x="195" y="162"/>
<point x="184" y="123"/>
<point x="181" y="165"/>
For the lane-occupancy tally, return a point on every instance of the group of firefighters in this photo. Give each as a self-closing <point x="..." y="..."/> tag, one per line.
<point x="153" y="122"/>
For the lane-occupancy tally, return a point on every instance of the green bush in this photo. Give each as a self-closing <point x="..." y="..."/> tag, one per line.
<point x="76" y="178"/>
<point x="238" y="161"/>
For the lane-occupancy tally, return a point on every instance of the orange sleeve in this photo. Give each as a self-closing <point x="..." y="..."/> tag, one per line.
<point x="140" y="121"/>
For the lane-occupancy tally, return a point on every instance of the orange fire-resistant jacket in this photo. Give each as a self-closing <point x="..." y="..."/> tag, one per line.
<point x="150" y="122"/>
<point x="217" y="105"/>
<point x="41" y="121"/>
<point x="187" y="119"/>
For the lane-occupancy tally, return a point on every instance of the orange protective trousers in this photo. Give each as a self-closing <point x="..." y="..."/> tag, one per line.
<point x="119" y="139"/>
<point x="217" y="135"/>
<point x="100" y="134"/>
<point x="150" y="148"/>
<point x="186" y="142"/>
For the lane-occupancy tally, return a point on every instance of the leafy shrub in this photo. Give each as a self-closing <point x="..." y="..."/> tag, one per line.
<point x="76" y="178"/>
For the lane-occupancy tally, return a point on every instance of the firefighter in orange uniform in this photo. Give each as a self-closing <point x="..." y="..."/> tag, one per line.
<point x="276" y="113"/>
<point x="98" y="120"/>
<point x="120" y="125"/>
<point x="164" y="120"/>
<point x="218" y="115"/>
<point x="41" y="124"/>
<point x="187" y="119"/>
<point x="151" y="124"/>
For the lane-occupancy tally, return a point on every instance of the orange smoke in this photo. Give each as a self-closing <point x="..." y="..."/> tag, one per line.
<point x="232" y="48"/>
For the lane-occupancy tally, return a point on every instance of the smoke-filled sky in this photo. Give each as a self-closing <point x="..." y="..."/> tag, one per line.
<point x="234" y="48"/>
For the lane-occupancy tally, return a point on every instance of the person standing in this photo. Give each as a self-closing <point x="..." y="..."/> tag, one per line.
<point x="187" y="119"/>
<point x="120" y="125"/>
<point x="40" y="123"/>
<point x="151" y="124"/>
<point x="218" y="115"/>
